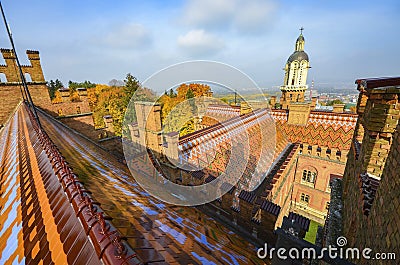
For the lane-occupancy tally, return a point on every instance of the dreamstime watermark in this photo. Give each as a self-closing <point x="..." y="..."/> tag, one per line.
<point x="237" y="152"/>
<point x="330" y="252"/>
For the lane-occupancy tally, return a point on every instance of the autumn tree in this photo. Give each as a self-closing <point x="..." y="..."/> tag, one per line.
<point x="353" y="109"/>
<point x="185" y="96"/>
<point x="74" y="96"/>
<point x="57" y="97"/>
<point x="114" y="100"/>
<point x="197" y="89"/>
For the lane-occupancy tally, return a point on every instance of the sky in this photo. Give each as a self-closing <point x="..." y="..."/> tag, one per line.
<point x="103" y="40"/>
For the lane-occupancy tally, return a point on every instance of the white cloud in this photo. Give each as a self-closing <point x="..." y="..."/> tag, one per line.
<point x="208" y="13"/>
<point x="240" y="15"/>
<point x="130" y="35"/>
<point x="254" y="16"/>
<point x="199" y="42"/>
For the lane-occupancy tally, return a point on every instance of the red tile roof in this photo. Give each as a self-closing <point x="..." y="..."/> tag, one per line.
<point x="333" y="130"/>
<point x="41" y="191"/>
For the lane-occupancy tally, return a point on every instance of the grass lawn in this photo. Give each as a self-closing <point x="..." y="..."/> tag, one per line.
<point x="312" y="232"/>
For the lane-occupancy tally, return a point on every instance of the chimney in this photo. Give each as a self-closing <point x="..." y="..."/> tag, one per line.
<point x="273" y="102"/>
<point x="338" y="108"/>
<point x="108" y="120"/>
<point x="313" y="103"/>
<point x="64" y="92"/>
<point x="245" y="108"/>
<point x="171" y="146"/>
<point x="299" y="113"/>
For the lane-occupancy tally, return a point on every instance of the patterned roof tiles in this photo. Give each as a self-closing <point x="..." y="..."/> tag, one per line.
<point x="333" y="130"/>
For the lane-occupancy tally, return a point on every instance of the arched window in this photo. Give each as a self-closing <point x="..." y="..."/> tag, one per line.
<point x="3" y="78"/>
<point x="28" y="77"/>
<point x="309" y="176"/>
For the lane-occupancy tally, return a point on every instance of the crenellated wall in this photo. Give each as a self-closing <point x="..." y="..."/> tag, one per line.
<point x="10" y="88"/>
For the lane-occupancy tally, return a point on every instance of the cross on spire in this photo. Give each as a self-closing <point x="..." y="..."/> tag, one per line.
<point x="301" y="30"/>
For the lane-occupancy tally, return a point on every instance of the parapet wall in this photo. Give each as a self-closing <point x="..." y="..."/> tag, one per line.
<point x="371" y="201"/>
<point x="11" y="86"/>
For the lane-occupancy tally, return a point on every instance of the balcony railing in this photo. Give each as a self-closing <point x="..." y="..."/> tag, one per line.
<point x="294" y="87"/>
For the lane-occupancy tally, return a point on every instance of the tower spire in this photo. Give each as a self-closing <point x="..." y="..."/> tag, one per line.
<point x="300" y="41"/>
<point x="296" y="69"/>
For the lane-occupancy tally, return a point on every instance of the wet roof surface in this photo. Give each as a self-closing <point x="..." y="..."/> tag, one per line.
<point x="158" y="232"/>
<point x="37" y="221"/>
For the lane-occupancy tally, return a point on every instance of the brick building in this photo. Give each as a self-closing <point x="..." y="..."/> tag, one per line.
<point x="11" y="85"/>
<point x="311" y="148"/>
<point x="371" y="202"/>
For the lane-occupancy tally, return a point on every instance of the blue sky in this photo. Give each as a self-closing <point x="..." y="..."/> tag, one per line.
<point x="102" y="40"/>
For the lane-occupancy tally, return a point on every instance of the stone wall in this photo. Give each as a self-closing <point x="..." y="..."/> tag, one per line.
<point x="371" y="186"/>
<point x="8" y="103"/>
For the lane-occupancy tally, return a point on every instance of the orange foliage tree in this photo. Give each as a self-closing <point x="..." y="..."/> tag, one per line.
<point x="169" y="101"/>
<point x="57" y="97"/>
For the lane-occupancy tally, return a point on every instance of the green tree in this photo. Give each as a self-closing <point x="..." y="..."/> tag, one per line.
<point x="189" y="94"/>
<point x="333" y="102"/>
<point x="131" y="85"/>
<point x="172" y="93"/>
<point x="53" y="86"/>
<point x="86" y="84"/>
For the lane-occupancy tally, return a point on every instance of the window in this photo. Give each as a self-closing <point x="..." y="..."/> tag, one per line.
<point x="328" y="151"/>
<point x="305" y="198"/>
<point x="28" y="77"/>
<point x="3" y="78"/>
<point x="309" y="176"/>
